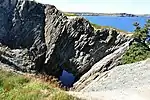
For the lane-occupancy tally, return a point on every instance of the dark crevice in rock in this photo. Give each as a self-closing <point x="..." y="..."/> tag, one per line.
<point x="6" y="61"/>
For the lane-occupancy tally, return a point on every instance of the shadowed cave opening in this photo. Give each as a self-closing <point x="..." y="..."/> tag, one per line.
<point x="67" y="79"/>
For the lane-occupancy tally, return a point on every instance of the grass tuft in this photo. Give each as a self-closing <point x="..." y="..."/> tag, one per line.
<point x="19" y="87"/>
<point x="95" y="26"/>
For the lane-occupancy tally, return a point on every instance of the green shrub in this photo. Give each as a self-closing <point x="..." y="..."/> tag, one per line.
<point x="139" y="50"/>
<point x="136" y="52"/>
<point x="141" y="33"/>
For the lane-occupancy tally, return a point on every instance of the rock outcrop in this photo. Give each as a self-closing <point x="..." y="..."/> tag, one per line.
<point x="129" y="76"/>
<point x="28" y="30"/>
<point x="97" y="71"/>
<point x="54" y="26"/>
<point x="23" y="25"/>
<point x="17" y="59"/>
<point x="75" y="46"/>
<point x="51" y="41"/>
<point x="6" y="11"/>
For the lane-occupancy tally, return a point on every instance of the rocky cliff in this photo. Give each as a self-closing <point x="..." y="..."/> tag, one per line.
<point x="40" y="38"/>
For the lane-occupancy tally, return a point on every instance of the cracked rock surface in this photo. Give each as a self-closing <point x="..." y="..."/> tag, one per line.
<point x="51" y="41"/>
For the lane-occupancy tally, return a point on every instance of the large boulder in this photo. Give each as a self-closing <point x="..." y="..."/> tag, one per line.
<point x="23" y="25"/>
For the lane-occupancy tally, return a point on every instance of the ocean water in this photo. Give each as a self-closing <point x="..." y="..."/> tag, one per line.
<point x="67" y="79"/>
<point x="123" y="23"/>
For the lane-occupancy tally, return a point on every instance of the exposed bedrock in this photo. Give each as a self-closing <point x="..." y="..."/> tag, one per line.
<point x="74" y="45"/>
<point x="51" y="41"/>
<point x="97" y="70"/>
<point x="22" y="26"/>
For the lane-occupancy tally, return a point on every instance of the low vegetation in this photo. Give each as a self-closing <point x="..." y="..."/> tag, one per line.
<point x="136" y="52"/>
<point x="139" y="50"/>
<point x="18" y="87"/>
<point x="69" y="14"/>
<point x="103" y="27"/>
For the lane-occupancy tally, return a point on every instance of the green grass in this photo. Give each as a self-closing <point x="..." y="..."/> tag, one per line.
<point x="70" y="14"/>
<point x="103" y="27"/>
<point x="18" y="87"/>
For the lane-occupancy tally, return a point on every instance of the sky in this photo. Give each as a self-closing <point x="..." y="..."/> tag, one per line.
<point x="101" y="6"/>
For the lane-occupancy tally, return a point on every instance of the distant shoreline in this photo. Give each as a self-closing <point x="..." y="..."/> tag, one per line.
<point x="106" y="14"/>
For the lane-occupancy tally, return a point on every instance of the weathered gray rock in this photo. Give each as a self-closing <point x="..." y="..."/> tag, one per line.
<point x="18" y="59"/>
<point x="54" y="24"/>
<point x="53" y="41"/>
<point x="23" y="25"/>
<point x="28" y="30"/>
<point x="97" y="70"/>
<point x="129" y="76"/>
<point x="75" y="46"/>
<point x="6" y="11"/>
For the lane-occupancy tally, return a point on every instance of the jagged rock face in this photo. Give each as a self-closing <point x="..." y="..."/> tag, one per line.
<point x="27" y="25"/>
<point x="54" y="23"/>
<point x="23" y="27"/>
<point x="74" y="45"/>
<point x="97" y="70"/>
<point x="28" y="30"/>
<point x="6" y="9"/>
<point x="18" y="59"/>
<point x="53" y="41"/>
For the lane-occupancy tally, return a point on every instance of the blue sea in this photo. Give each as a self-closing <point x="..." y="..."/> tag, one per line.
<point x="123" y="23"/>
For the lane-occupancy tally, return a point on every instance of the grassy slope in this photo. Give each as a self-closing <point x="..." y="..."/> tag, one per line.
<point x="109" y="27"/>
<point x="70" y="14"/>
<point x="18" y="87"/>
<point x="102" y="27"/>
